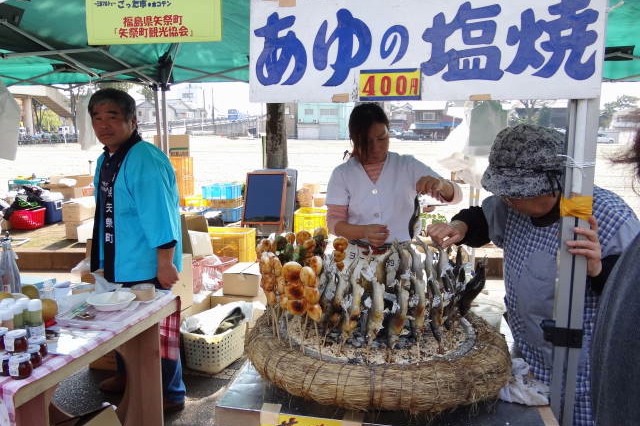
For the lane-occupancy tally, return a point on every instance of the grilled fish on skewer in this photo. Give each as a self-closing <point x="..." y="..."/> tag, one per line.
<point x="473" y="287"/>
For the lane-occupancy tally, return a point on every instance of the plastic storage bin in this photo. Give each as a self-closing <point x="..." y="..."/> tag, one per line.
<point x="16" y="184"/>
<point x="309" y="218"/>
<point x="231" y="215"/>
<point x="212" y="354"/>
<point x="224" y="191"/>
<point x="28" y="219"/>
<point x="234" y="242"/>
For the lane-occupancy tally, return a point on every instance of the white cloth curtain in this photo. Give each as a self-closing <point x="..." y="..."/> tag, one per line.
<point x="86" y="136"/>
<point x="9" y="124"/>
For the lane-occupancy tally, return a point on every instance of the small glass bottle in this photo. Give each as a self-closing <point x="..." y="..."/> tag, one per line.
<point x="7" y="302"/>
<point x="23" y="304"/>
<point x="20" y="366"/>
<point x="3" y="331"/>
<point x="34" y="323"/>
<point x="16" y="340"/>
<point x="6" y="318"/>
<point x="35" y="356"/>
<point x="18" y="317"/>
<point x="41" y="341"/>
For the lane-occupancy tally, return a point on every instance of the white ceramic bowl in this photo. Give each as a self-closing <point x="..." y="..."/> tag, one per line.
<point x="111" y="301"/>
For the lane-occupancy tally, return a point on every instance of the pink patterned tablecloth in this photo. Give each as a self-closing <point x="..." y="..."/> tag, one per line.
<point x="114" y="323"/>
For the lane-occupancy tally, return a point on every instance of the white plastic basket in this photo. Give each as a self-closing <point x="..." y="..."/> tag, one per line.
<point x="213" y="354"/>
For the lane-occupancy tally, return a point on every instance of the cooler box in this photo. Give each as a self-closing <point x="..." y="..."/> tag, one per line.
<point x="53" y="212"/>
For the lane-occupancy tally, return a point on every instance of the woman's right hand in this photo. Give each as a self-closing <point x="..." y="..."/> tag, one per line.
<point x="445" y="234"/>
<point x="376" y="234"/>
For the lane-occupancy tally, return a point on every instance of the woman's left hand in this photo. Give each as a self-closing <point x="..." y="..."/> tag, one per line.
<point x="588" y="247"/>
<point x="434" y="187"/>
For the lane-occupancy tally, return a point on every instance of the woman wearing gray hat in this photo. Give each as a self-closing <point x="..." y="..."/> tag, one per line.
<point x="522" y="217"/>
<point x="616" y="338"/>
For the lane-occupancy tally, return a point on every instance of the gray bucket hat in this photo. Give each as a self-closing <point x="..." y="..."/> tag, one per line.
<point x="525" y="162"/>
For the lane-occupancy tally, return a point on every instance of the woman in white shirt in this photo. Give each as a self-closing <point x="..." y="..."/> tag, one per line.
<point x="370" y="197"/>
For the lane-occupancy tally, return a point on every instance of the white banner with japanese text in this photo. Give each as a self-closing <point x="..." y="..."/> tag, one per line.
<point x="349" y="50"/>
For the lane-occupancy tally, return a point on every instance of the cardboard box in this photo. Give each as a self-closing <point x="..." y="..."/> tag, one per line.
<point x="201" y="303"/>
<point x="184" y="287"/>
<point x="71" y="228"/>
<point x="178" y="145"/>
<point x="200" y="244"/>
<point x="103" y="416"/>
<point x="83" y="186"/>
<point x="81" y="180"/>
<point x="79" y="209"/>
<point x="242" y="279"/>
<point x="191" y="223"/>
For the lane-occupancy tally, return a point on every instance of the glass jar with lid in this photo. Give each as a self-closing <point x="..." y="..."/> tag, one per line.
<point x="16" y="340"/>
<point x="20" y="366"/>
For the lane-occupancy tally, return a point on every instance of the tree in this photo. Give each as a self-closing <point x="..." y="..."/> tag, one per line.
<point x="45" y="119"/>
<point x="610" y="108"/>
<point x="530" y="112"/>
<point x="147" y="92"/>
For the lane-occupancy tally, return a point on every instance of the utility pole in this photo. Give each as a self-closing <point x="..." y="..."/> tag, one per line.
<point x="213" y="113"/>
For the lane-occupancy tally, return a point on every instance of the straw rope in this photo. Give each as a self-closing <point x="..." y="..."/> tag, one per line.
<point x="427" y="387"/>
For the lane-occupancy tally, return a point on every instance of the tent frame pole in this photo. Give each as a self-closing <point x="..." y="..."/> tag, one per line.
<point x="572" y="270"/>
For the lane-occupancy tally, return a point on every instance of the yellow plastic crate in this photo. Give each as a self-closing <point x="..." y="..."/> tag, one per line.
<point x="194" y="201"/>
<point x="234" y="242"/>
<point x="309" y="218"/>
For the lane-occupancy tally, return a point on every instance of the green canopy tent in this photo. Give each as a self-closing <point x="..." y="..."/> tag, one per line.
<point x="44" y="42"/>
<point x="622" y="51"/>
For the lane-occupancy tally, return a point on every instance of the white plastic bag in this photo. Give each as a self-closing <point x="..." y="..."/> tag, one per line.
<point x="522" y="388"/>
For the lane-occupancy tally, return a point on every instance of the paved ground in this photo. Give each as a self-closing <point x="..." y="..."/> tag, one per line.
<point x="219" y="160"/>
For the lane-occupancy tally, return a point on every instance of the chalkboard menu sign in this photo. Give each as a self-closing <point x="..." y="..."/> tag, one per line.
<point x="265" y="196"/>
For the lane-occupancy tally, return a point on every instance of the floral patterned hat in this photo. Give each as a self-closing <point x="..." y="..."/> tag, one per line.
<point x="525" y="161"/>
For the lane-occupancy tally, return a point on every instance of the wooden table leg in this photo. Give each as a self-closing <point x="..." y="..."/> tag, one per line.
<point x="142" y="400"/>
<point x="36" y="411"/>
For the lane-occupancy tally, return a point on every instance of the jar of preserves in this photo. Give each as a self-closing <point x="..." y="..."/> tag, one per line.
<point x="35" y="357"/>
<point x="16" y="340"/>
<point x="41" y="341"/>
<point x="20" y="366"/>
<point x="4" y="361"/>
<point x="3" y="331"/>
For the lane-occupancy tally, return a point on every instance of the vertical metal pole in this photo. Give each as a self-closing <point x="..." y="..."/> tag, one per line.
<point x="164" y="144"/>
<point x="158" y="116"/>
<point x="571" y="280"/>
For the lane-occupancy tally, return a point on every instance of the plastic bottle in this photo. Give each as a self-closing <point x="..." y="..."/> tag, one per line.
<point x="34" y="322"/>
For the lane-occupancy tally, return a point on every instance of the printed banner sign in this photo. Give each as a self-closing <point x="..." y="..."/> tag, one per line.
<point x="354" y="50"/>
<point x="153" y="21"/>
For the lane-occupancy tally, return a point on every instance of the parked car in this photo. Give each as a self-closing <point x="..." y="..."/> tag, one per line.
<point x="602" y="138"/>
<point x="410" y="135"/>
